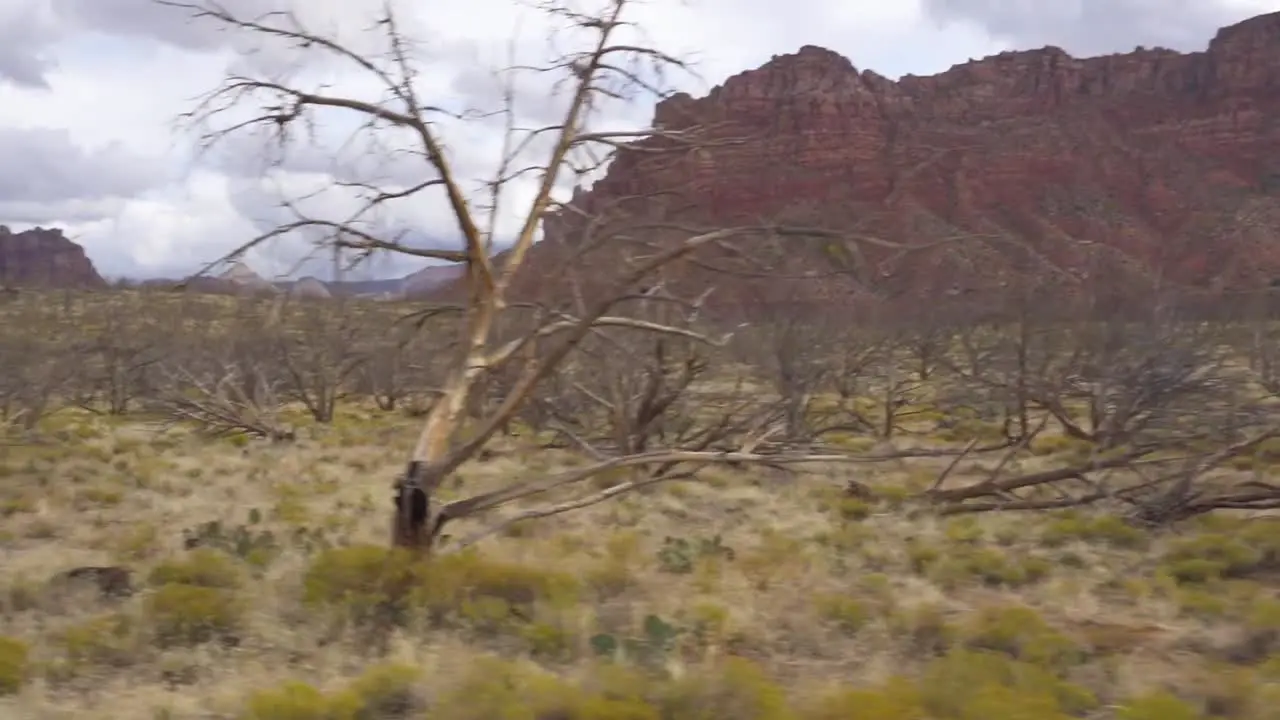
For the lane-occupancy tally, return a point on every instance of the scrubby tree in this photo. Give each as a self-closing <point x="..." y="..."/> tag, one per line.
<point x="609" y="61"/>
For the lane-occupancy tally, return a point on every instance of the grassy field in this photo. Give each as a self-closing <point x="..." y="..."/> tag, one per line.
<point x="265" y="592"/>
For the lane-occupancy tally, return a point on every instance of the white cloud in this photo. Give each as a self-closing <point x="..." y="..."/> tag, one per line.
<point x="90" y="91"/>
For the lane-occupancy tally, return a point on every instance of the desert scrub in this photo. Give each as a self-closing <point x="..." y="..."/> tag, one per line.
<point x="370" y="583"/>
<point x="500" y="690"/>
<point x="1211" y="556"/>
<point x="968" y="684"/>
<point x="1267" y="451"/>
<point x="964" y="530"/>
<point x="613" y="574"/>
<point x="923" y="628"/>
<point x="195" y="600"/>
<point x="967" y="430"/>
<point x="104" y="641"/>
<point x="382" y="692"/>
<point x="14" y="664"/>
<point x="1105" y="529"/>
<point x="847" y="614"/>
<point x="140" y="542"/>
<point x="1054" y="444"/>
<point x="1022" y="634"/>
<point x="896" y="699"/>
<point x="989" y="566"/>
<point x="1159" y="705"/>
<point x="736" y="688"/>
<point x="202" y="567"/>
<point x="293" y="700"/>
<point x="849" y="441"/>
<point x="187" y="615"/>
<point x="366" y="583"/>
<point x="922" y="555"/>
<point x="853" y="509"/>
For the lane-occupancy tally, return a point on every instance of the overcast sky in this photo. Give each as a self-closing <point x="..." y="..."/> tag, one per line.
<point x="90" y="93"/>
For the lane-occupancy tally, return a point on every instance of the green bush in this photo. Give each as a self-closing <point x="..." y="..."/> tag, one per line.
<point x="1212" y="556"/>
<point x="184" y="615"/>
<point x="989" y="566"/>
<point x="374" y="583"/>
<point x="847" y="613"/>
<point x="14" y="664"/>
<point x="368" y="582"/>
<point x="107" y="640"/>
<point x="924" y="628"/>
<point x="202" y="567"/>
<point x="291" y="701"/>
<point x="1158" y="706"/>
<point x="382" y="692"/>
<point x="968" y="684"/>
<point x="1021" y="633"/>
<point x="1105" y="529"/>
<point x="737" y="689"/>
<point x="501" y="690"/>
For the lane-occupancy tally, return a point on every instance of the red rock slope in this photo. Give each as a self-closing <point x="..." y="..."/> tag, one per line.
<point x="1110" y="166"/>
<point x="43" y="257"/>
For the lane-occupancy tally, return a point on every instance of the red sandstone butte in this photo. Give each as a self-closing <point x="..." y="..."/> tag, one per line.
<point x="1112" y="166"/>
<point x="43" y="257"/>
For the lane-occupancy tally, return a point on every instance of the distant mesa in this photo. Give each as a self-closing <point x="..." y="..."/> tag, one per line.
<point x="311" y="288"/>
<point x="1127" y="167"/>
<point x="44" y="257"/>
<point x="241" y="279"/>
<point x="1121" y="168"/>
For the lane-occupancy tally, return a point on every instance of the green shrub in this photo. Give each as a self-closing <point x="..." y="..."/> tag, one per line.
<point x="989" y="566"/>
<point x="382" y="692"/>
<point x="374" y="583"/>
<point x="501" y="690"/>
<point x="847" y="613"/>
<point x="291" y="701"/>
<point x="1212" y="556"/>
<point x="182" y="614"/>
<point x="1106" y="529"/>
<point x="1021" y="633"/>
<point x="854" y="509"/>
<point x="14" y="664"/>
<point x="1053" y="444"/>
<point x="924" y="628"/>
<point x="967" y="684"/>
<point x="202" y="567"/>
<point x="1158" y="706"/>
<point x="738" y="689"/>
<point x="897" y="699"/>
<point x="366" y="581"/>
<point x="107" y="640"/>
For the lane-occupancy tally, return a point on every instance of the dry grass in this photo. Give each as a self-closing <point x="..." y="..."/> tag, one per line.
<point x="745" y="595"/>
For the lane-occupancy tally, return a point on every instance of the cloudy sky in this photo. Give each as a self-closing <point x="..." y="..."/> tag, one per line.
<point x="91" y="92"/>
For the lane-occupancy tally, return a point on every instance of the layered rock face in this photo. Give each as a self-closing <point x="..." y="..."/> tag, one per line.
<point x="1125" y="166"/>
<point x="43" y="257"/>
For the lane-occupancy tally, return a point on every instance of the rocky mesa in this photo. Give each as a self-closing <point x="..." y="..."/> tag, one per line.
<point x="44" y="257"/>
<point x="1118" y="166"/>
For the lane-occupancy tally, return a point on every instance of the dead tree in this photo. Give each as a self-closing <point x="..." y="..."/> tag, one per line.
<point x="648" y="244"/>
<point x="1159" y="405"/>
<point x="39" y="363"/>
<point x="226" y="383"/>
<point x="794" y="346"/>
<point x="395" y="367"/>
<point x="876" y="392"/>
<point x="120" y="342"/>
<point x="320" y="346"/>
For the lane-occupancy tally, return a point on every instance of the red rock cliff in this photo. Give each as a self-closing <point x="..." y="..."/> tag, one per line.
<point x="1108" y="165"/>
<point x="45" y="258"/>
